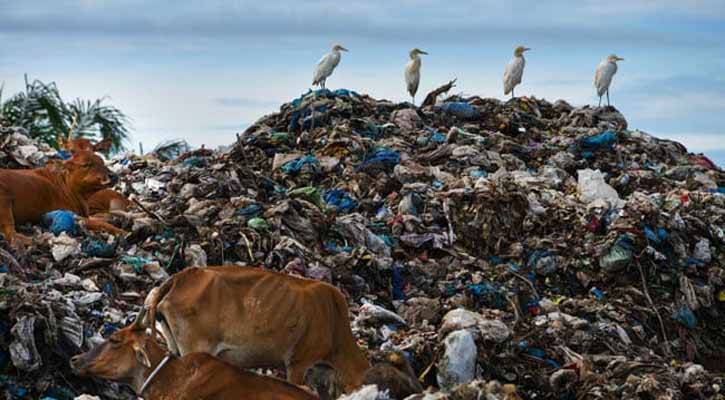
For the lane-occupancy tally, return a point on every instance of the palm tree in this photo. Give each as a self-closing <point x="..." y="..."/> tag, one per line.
<point x="46" y="117"/>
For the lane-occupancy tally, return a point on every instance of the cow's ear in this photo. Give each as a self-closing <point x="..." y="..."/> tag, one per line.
<point x="141" y="355"/>
<point x="103" y="146"/>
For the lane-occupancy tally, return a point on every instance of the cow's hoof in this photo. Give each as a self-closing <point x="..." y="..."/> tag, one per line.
<point x="24" y="240"/>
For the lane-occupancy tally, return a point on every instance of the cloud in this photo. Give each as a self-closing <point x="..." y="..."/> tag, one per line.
<point x="698" y="141"/>
<point x="464" y="20"/>
<point x="242" y="102"/>
<point x="230" y="128"/>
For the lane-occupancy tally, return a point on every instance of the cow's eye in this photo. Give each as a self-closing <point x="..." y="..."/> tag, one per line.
<point x="86" y="165"/>
<point x="114" y="340"/>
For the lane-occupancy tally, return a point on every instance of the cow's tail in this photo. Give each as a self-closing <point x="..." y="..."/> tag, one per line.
<point x="163" y="290"/>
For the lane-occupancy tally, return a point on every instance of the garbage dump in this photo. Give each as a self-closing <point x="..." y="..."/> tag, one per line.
<point x="518" y="249"/>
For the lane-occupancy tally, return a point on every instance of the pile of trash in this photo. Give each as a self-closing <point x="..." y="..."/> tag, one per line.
<point x="17" y="150"/>
<point x="518" y="249"/>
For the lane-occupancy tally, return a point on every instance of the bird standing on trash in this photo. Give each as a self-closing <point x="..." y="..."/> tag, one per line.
<point x="514" y="71"/>
<point x="412" y="72"/>
<point x="326" y="65"/>
<point x="605" y="71"/>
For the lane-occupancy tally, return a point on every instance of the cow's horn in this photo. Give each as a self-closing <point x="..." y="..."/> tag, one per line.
<point x="138" y="322"/>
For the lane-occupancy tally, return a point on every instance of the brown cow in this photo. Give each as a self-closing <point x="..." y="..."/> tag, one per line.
<point x="130" y="356"/>
<point x="254" y="318"/>
<point x="25" y="195"/>
<point x="104" y="200"/>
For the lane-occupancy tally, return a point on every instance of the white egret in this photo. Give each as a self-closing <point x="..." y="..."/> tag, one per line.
<point x="514" y="71"/>
<point x="605" y="72"/>
<point x="326" y="65"/>
<point x="412" y="72"/>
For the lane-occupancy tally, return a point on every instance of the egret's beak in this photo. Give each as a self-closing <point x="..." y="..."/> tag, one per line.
<point x="526" y="49"/>
<point x="422" y="52"/>
<point x="620" y="59"/>
<point x="343" y="49"/>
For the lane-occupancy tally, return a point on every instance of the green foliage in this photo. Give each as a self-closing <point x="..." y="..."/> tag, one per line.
<point x="43" y="113"/>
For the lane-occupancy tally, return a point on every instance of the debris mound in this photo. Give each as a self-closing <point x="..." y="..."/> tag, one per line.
<point x="518" y="249"/>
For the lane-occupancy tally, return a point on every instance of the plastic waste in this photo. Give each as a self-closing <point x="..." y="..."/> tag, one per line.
<point x="367" y="392"/>
<point x="371" y="314"/>
<point x="64" y="246"/>
<point x="458" y="363"/>
<point x="492" y="330"/>
<point x="61" y="221"/>
<point x="339" y="199"/>
<point x="685" y="316"/>
<point x="23" y="351"/>
<point x="257" y="223"/>
<point x="95" y="248"/>
<point x="460" y="110"/>
<point x="619" y="255"/>
<point x="387" y="158"/>
<point x="592" y="188"/>
<point x="293" y="167"/>
<point x="606" y="140"/>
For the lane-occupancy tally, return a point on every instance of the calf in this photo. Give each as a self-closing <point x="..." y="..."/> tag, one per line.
<point x="25" y="195"/>
<point x="255" y="318"/>
<point x="131" y="357"/>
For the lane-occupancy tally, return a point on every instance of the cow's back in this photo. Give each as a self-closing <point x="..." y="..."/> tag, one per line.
<point x="249" y="316"/>
<point x="33" y="193"/>
<point x="215" y="379"/>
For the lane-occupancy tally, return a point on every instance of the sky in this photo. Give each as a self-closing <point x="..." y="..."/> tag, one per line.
<point x="204" y="70"/>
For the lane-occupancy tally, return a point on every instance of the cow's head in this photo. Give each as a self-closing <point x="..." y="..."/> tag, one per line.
<point x="123" y="357"/>
<point x="87" y="173"/>
<point x="81" y="144"/>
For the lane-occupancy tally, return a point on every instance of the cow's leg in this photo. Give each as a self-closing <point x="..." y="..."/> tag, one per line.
<point x="7" y="222"/>
<point x="296" y="371"/>
<point x="96" y="224"/>
<point x="169" y="336"/>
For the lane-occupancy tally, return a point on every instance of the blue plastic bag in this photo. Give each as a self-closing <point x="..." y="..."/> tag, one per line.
<point x="685" y="316"/>
<point x="381" y="156"/>
<point x="338" y="198"/>
<point x="61" y="221"/>
<point x="323" y="92"/>
<point x="250" y="210"/>
<point x="605" y="139"/>
<point x="293" y="167"/>
<point x="96" y="248"/>
<point x="460" y="109"/>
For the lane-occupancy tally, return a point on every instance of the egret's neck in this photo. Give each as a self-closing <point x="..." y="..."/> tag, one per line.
<point x="415" y="61"/>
